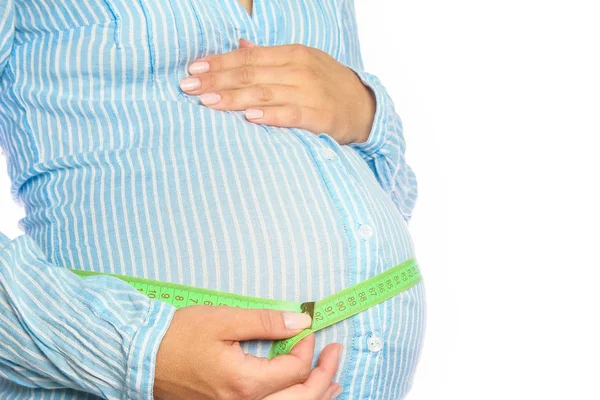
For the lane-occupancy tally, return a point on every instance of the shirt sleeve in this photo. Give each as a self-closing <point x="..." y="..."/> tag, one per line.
<point x="57" y="330"/>
<point x="384" y="150"/>
<point x="7" y="30"/>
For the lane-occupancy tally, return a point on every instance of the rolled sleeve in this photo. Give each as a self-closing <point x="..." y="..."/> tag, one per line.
<point x="385" y="148"/>
<point x="378" y="134"/>
<point x="97" y="334"/>
<point x="143" y="350"/>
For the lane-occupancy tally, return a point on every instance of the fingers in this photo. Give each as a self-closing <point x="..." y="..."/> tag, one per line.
<point x="236" y="78"/>
<point x="303" y="350"/>
<point x="327" y="366"/>
<point x="251" y="66"/>
<point x="248" y="324"/>
<point x="246" y="76"/>
<point x="241" y="99"/>
<point x="318" y="385"/>
<point x="258" y="55"/>
<point x="262" y="376"/>
<point x="244" y="43"/>
<point x="294" y="116"/>
<point x="282" y="371"/>
<point x="333" y="391"/>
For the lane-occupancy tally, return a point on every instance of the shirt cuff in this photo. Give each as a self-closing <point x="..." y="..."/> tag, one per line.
<point x="378" y="134"/>
<point x="144" y="348"/>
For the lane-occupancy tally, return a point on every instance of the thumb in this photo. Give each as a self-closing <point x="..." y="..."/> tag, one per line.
<point x="246" y="43"/>
<point x="248" y="324"/>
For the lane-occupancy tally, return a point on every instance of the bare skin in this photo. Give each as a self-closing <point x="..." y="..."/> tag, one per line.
<point x="289" y="85"/>
<point x="247" y="4"/>
<point x="200" y="358"/>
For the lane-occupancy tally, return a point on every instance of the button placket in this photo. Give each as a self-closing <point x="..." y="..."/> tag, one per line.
<point x="331" y="163"/>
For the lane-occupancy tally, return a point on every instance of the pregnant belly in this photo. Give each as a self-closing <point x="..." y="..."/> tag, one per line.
<point x="243" y="209"/>
<point x="269" y="230"/>
<point x="272" y="213"/>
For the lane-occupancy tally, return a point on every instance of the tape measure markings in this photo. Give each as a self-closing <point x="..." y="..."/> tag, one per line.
<point x="182" y="296"/>
<point x="353" y="300"/>
<point x="325" y="312"/>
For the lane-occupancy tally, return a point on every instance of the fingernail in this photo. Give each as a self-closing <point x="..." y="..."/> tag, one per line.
<point x="253" y="113"/>
<point x="294" y="321"/>
<point x="337" y="393"/>
<point x="199" y="67"/>
<point x="210" y="98"/>
<point x="189" y="84"/>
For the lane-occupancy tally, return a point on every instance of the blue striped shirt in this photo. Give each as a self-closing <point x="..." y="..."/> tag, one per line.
<point x="121" y="172"/>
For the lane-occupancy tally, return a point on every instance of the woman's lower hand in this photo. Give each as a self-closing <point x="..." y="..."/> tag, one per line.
<point x="200" y="357"/>
<point x="290" y="86"/>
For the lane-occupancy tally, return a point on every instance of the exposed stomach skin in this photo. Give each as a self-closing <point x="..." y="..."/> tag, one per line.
<point x="247" y="210"/>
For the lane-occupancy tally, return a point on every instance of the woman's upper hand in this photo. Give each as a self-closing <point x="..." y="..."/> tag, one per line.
<point x="289" y="85"/>
<point x="200" y="357"/>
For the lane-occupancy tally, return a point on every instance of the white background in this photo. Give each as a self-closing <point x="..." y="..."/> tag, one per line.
<point x="501" y="110"/>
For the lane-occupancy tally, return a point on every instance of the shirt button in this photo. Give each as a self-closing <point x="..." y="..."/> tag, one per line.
<point x="365" y="231"/>
<point x="329" y="154"/>
<point x="375" y="344"/>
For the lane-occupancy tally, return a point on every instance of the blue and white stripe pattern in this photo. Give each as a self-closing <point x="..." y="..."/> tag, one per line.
<point x="121" y="172"/>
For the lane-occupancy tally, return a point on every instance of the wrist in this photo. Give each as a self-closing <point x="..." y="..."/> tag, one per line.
<point x="364" y="112"/>
<point x="368" y="107"/>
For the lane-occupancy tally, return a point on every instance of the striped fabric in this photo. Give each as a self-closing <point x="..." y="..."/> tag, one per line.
<point x="121" y="172"/>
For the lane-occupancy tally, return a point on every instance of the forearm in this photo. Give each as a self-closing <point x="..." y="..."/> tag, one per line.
<point x="97" y="334"/>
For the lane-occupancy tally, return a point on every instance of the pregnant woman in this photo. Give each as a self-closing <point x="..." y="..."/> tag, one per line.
<point x="144" y="138"/>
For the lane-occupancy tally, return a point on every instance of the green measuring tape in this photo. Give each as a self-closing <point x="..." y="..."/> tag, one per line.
<point x="325" y="312"/>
